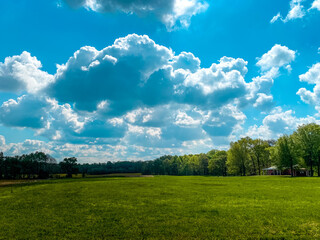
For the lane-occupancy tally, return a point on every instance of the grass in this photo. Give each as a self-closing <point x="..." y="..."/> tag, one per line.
<point x="164" y="207"/>
<point x="63" y="175"/>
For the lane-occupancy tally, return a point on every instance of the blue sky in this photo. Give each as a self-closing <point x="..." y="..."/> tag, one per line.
<point x="128" y="80"/>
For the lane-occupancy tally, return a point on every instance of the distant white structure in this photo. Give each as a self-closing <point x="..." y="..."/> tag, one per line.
<point x="271" y="171"/>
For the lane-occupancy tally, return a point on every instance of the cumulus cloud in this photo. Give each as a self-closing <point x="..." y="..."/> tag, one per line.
<point x="101" y="152"/>
<point x="135" y="72"/>
<point x="172" y="13"/>
<point x="115" y="76"/>
<point x="22" y="73"/>
<point x="312" y="76"/>
<point x="296" y="11"/>
<point x="186" y="61"/>
<point x="221" y="124"/>
<point x="2" y="141"/>
<point x="26" y="111"/>
<point x="278" y="56"/>
<point x="316" y="5"/>
<point x="279" y="122"/>
<point x="141" y="95"/>
<point x="264" y="102"/>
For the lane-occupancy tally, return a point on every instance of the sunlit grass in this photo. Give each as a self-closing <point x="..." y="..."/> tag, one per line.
<point x="164" y="207"/>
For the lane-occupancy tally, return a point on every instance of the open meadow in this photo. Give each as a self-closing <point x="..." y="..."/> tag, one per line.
<point x="162" y="207"/>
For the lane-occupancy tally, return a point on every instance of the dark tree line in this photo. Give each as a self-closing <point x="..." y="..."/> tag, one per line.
<point x="41" y="165"/>
<point x="35" y="165"/>
<point x="212" y="163"/>
<point x="245" y="157"/>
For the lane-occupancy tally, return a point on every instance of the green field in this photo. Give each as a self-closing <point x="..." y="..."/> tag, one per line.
<point x="164" y="207"/>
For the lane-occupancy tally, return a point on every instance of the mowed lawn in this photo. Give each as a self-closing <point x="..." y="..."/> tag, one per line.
<point x="163" y="207"/>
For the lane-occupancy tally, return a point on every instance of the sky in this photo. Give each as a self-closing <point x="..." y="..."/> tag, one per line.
<point x="113" y="80"/>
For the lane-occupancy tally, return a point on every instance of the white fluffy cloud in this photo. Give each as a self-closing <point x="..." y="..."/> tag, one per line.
<point x="26" y="111"/>
<point x="90" y="153"/>
<point x="297" y="11"/>
<point x="263" y="101"/>
<point x="22" y="73"/>
<point x="316" y="5"/>
<point x="312" y="76"/>
<point x="186" y="61"/>
<point x="279" y="122"/>
<point x="141" y="95"/>
<point x="135" y="72"/>
<point x="2" y="141"/>
<point x="222" y="124"/>
<point x="278" y="56"/>
<point x="172" y="13"/>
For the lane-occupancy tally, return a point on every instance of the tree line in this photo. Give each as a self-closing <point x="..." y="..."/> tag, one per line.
<point x="299" y="150"/>
<point x="245" y="157"/>
<point x="35" y="165"/>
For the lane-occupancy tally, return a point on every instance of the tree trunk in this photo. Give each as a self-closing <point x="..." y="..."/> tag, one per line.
<point x="319" y="166"/>
<point x="311" y="170"/>
<point x="291" y="166"/>
<point x="244" y="170"/>
<point x="254" y="165"/>
<point x="259" y="167"/>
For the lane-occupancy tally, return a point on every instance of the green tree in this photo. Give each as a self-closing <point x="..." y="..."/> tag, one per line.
<point x="259" y="150"/>
<point x="69" y="166"/>
<point x="1" y="164"/>
<point x="218" y="163"/>
<point x="287" y="152"/>
<point x="203" y="164"/>
<point x="238" y="157"/>
<point x="308" y="140"/>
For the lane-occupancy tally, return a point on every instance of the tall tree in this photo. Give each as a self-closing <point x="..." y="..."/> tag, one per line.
<point x="238" y="157"/>
<point x="203" y="164"/>
<point x="69" y="166"/>
<point x="259" y="149"/>
<point x="287" y="151"/>
<point x="1" y="164"/>
<point x="218" y="163"/>
<point x="308" y="139"/>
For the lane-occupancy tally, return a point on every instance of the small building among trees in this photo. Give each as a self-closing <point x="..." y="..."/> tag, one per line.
<point x="271" y="171"/>
<point x="297" y="171"/>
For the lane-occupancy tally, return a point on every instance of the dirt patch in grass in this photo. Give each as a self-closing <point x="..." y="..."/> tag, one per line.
<point x="4" y="183"/>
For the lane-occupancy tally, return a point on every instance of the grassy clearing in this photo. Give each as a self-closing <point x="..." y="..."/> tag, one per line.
<point x="164" y="207"/>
